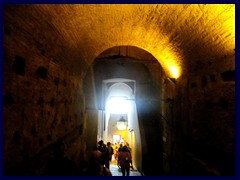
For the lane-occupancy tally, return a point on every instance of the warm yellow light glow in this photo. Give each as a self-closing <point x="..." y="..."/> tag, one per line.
<point x="121" y="126"/>
<point x="167" y="31"/>
<point x="219" y="21"/>
<point x="174" y="71"/>
<point x="170" y="60"/>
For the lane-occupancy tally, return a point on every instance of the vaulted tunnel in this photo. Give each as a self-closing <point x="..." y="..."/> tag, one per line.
<point x="60" y="62"/>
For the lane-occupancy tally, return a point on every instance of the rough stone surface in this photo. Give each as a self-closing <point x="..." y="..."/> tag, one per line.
<point x="49" y="87"/>
<point x="176" y="35"/>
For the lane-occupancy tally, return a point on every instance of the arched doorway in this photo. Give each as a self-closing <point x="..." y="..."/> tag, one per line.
<point x="132" y="73"/>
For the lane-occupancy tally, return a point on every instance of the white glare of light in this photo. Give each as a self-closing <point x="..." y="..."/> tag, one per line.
<point x="121" y="126"/>
<point x="118" y="105"/>
<point x="174" y="71"/>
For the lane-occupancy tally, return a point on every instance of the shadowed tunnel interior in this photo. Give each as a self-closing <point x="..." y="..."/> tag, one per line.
<point x="173" y="63"/>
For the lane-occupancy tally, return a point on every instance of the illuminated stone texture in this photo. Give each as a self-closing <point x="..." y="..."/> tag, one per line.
<point x="49" y="81"/>
<point x="176" y="35"/>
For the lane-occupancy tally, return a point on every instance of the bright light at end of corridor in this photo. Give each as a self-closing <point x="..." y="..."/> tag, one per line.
<point x="118" y="105"/>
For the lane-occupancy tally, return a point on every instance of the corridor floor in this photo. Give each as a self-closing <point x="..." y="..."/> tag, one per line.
<point x="116" y="172"/>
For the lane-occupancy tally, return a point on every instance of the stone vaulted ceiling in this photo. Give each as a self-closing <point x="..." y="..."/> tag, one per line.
<point x="176" y="35"/>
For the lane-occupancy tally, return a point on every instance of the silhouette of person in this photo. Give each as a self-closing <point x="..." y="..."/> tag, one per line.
<point x="110" y="151"/>
<point x="125" y="159"/>
<point x="129" y="149"/>
<point x="119" y="150"/>
<point x="104" y="150"/>
<point x="95" y="166"/>
<point x="60" y="164"/>
<point x="100" y="145"/>
<point x="105" y="156"/>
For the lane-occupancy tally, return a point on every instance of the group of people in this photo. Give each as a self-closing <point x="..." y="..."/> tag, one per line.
<point x="107" y="152"/>
<point x="120" y="152"/>
<point x="98" y="163"/>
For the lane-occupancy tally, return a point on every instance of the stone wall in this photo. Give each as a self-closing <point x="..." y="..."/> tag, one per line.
<point x="206" y="118"/>
<point x="43" y="102"/>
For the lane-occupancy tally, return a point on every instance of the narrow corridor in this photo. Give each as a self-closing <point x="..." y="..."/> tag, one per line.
<point x="158" y="77"/>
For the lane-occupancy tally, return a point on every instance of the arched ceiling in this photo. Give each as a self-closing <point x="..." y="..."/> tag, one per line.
<point x="176" y="35"/>
<point x="120" y="89"/>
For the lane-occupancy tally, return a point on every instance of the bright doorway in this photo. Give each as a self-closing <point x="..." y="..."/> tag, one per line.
<point x="116" y="138"/>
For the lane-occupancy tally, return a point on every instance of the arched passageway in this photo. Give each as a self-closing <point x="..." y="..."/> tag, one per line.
<point x="180" y="56"/>
<point x="144" y="94"/>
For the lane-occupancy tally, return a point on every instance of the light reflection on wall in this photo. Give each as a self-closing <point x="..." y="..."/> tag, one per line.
<point x="172" y="30"/>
